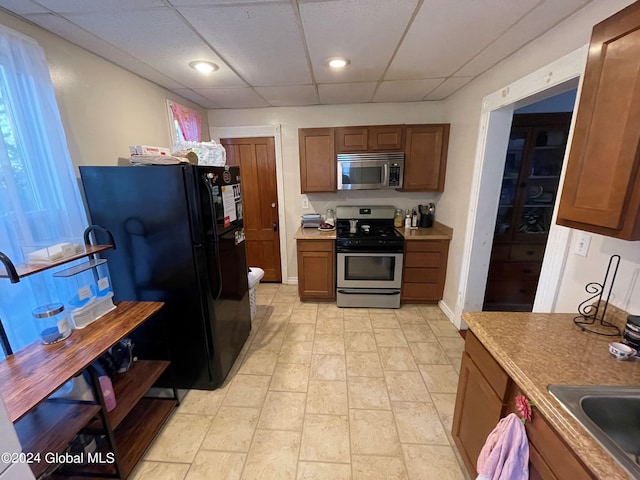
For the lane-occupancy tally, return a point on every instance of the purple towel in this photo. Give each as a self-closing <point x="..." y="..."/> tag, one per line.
<point x="505" y="455"/>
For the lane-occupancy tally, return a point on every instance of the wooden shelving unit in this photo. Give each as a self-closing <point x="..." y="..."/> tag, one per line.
<point x="26" y="269"/>
<point x="51" y="426"/>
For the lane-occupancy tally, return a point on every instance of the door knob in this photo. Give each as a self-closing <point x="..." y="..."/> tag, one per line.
<point x="273" y="204"/>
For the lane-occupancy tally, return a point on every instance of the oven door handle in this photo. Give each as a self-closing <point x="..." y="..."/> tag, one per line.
<point x="365" y="292"/>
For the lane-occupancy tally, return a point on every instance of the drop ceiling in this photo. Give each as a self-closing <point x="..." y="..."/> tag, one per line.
<point x="273" y="53"/>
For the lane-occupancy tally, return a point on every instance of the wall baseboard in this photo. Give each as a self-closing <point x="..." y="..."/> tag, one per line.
<point x="450" y="313"/>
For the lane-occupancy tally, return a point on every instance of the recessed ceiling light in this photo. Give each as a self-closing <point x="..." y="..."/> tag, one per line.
<point x="203" y="66"/>
<point x="337" y="62"/>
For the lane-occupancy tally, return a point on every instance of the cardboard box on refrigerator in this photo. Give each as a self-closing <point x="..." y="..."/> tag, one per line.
<point x="148" y="150"/>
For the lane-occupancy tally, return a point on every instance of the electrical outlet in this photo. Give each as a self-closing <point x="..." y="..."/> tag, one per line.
<point x="582" y="245"/>
<point x="305" y="203"/>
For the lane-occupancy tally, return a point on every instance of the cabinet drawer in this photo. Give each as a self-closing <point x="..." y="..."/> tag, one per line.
<point x="514" y="270"/>
<point x="315" y="245"/>
<point x="526" y="252"/>
<point x="511" y="291"/>
<point x="425" y="275"/>
<point x="423" y="246"/>
<point x="492" y="371"/>
<point x="421" y="291"/>
<point x="500" y="253"/>
<point x="422" y="259"/>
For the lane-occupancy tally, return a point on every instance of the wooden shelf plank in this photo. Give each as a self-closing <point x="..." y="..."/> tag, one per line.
<point x="30" y="375"/>
<point x="50" y="427"/>
<point x="26" y="269"/>
<point x="133" y="436"/>
<point x="131" y="386"/>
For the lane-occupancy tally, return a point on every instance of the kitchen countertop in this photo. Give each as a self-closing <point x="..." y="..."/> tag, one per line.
<point x="538" y="349"/>
<point x="439" y="231"/>
<point x="314" y="234"/>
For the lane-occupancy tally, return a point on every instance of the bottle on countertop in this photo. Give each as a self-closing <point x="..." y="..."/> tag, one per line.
<point x="414" y="219"/>
<point x="398" y="219"/>
<point x="407" y="220"/>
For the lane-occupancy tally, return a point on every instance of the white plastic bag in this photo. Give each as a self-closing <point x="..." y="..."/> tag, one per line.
<point x="209" y="153"/>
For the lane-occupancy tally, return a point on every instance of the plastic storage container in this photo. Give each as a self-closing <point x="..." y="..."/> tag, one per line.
<point x="86" y="291"/>
<point x="52" y="322"/>
<point x="255" y="275"/>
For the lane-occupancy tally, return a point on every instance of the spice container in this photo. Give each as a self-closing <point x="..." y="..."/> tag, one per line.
<point x="51" y="322"/>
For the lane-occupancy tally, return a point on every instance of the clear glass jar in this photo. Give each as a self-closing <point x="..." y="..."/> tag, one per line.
<point x="398" y="219"/>
<point x="330" y="217"/>
<point x="51" y="322"/>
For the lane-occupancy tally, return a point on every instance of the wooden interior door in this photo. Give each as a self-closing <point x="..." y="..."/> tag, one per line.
<point x="257" y="160"/>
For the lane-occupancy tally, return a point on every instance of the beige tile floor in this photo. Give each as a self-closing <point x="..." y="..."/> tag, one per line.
<point x="319" y="393"/>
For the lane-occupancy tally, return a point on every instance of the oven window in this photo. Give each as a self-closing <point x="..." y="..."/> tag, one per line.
<point x="375" y="267"/>
<point x="359" y="175"/>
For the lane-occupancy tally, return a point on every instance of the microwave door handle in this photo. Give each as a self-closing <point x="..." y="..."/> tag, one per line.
<point x="385" y="175"/>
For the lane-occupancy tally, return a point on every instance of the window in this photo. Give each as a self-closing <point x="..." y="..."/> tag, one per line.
<point x="40" y="202"/>
<point x="187" y="123"/>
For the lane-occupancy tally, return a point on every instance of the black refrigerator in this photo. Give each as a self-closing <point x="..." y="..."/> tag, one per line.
<point x="180" y="240"/>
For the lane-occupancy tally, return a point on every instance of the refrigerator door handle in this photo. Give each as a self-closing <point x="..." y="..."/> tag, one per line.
<point x="207" y="181"/>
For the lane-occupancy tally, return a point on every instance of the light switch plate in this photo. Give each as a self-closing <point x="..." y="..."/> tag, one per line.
<point x="305" y="203"/>
<point x="582" y="245"/>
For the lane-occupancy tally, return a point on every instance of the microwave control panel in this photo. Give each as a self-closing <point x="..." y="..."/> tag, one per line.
<point x="395" y="175"/>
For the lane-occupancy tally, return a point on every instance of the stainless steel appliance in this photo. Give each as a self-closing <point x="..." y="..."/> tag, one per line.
<point x="369" y="257"/>
<point x="369" y="171"/>
<point x="179" y="239"/>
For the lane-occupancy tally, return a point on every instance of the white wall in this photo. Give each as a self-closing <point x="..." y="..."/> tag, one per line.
<point x="463" y="111"/>
<point x="104" y="108"/>
<point x="293" y="118"/>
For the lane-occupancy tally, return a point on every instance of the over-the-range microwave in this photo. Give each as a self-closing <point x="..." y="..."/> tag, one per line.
<point x="369" y="171"/>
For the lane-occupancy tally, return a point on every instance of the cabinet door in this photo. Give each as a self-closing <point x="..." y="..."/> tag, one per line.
<point x="316" y="270"/>
<point x="385" y="137"/>
<point x="425" y="159"/>
<point x="317" y="160"/>
<point x="352" y="139"/>
<point x="477" y="412"/>
<point x="601" y="189"/>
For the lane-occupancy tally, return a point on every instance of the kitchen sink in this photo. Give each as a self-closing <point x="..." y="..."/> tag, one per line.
<point x="611" y="415"/>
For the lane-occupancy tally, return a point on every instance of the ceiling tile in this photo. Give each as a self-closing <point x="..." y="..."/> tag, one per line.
<point x="338" y="93"/>
<point x="405" y="90"/>
<point x="448" y="33"/>
<point x="233" y="97"/>
<point x="92" y="43"/>
<point x="263" y="42"/>
<point x="538" y="21"/>
<point x="448" y="87"/>
<point x="289" y="96"/>
<point x="365" y="32"/>
<point x="208" y="3"/>
<point x="195" y="97"/>
<point x="22" y="7"/>
<point x="86" y="6"/>
<point x="161" y="40"/>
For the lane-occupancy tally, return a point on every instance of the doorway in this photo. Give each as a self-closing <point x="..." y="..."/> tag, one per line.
<point x="530" y="181"/>
<point x="256" y="157"/>
<point x="495" y="124"/>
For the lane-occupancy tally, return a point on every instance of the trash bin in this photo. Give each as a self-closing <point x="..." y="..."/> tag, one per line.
<point x="254" y="275"/>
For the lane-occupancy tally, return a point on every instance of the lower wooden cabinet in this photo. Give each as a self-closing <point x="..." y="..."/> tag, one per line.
<point x="316" y="269"/>
<point x="485" y="395"/>
<point x="424" y="271"/>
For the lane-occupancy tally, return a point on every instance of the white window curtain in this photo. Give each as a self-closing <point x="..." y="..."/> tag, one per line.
<point x="40" y="202"/>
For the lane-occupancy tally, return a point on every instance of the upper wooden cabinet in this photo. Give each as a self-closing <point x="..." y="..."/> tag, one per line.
<point x="601" y="190"/>
<point x="376" y="138"/>
<point x="424" y="146"/>
<point x="425" y="157"/>
<point x="317" y="160"/>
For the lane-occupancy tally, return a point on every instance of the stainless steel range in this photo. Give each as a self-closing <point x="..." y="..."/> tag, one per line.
<point x="369" y="257"/>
